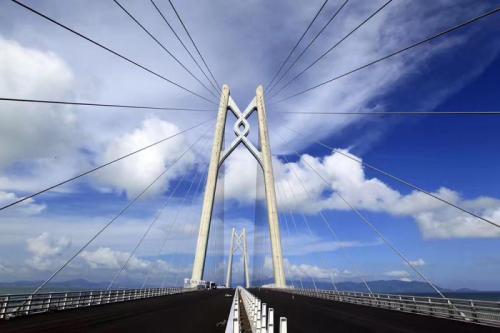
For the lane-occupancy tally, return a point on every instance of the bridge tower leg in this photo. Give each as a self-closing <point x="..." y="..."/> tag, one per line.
<point x="208" y="201"/>
<point x="245" y="260"/>
<point x="272" y="209"/>
<point x="230" y="260"/>
<point x="238" y="242"/>
<point x="264" y="158"/>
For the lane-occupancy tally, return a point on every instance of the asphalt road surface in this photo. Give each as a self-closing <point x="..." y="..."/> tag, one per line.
<point x="306" y="315"/>
<point x="203" y="311"/>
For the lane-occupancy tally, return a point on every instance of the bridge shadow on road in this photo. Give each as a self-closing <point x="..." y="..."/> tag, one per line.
<point x="201" y="311"/>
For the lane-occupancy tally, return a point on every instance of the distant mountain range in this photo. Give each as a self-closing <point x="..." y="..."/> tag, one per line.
<point x="69" y="284"/>
<point x="378" y="286"/>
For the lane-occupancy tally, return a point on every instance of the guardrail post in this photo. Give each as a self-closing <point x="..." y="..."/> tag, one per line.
<point x="283" y="325"/>
<point x="65" y="299"/>
<point x="47" y="306"/>
<point x="431" y="307"/>
<point x="259" y="316"/>
<point x="473" y="311"/>
<point x="450" y="309"/>
<point x="4" y="306"/>
<point x="236" y="314"/>
<point x="270" y="321"/>
<point x="236" y="328"/>
<point x="99" y="301"/>
<point x="79" y="299"/>
<point x="263" y="322"/>
<point x="27" y="308"/>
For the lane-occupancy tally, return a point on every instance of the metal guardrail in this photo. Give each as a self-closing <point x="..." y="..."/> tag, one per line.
<point x="473" y="311"/>
<point x="27" y="304"/>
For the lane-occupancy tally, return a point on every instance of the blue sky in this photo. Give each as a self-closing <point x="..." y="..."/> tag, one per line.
<point x="453" y="156"/>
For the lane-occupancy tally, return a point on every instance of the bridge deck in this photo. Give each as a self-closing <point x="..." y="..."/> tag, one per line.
<point x="207" y="311"/>
<point x="307" y="314"/>
<point x="204" y="311"/>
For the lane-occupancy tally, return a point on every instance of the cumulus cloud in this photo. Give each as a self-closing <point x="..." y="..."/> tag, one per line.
<point x="240" y="173"/>
<point x="37" y="139"/>
<point x="30" y="131"/>
<point x="134" y="174"/>
<point x="104" y="257"/>
<point x="304" y="271"/>
<point x="33" y="137"/>
<point x="46" y="250"/>
<point x="300" y="189"/>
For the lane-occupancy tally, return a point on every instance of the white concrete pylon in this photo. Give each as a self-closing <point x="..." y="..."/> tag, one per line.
<point x="272" y="208"/>
<point x="263" y="157"/>
<point x="245" y="260"/>
<point x="238" y="242"/>
<point x="230" y="260"/>
<point x="208" y="201"/>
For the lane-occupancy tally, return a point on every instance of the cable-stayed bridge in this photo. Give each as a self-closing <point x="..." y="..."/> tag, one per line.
<point x="207" y="300"/>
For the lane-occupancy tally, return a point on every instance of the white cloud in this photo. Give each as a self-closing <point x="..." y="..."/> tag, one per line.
<point x="136" y="172"/>
<point x="46" y="250"/>
<point x="300" y="244"/>
<point x="397" y="274"/>
<point x="27" y="207"/>
<point x="101" y="78"/>
<point x="104" y="257"/>
<point x="32" y="131"/>
<point x="417" y="263"/>
<point x="240" y="174"/>
<point x="396" y="26"/>
<point x="347" y="177"/>
<point x="305" y="271"/>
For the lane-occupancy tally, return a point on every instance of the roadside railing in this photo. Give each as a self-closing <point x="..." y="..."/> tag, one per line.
<point x="233" y="321"/>
<point x="474" y="311"/>
<point x="27" y="304"/>
<point x="260" y="317"/>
